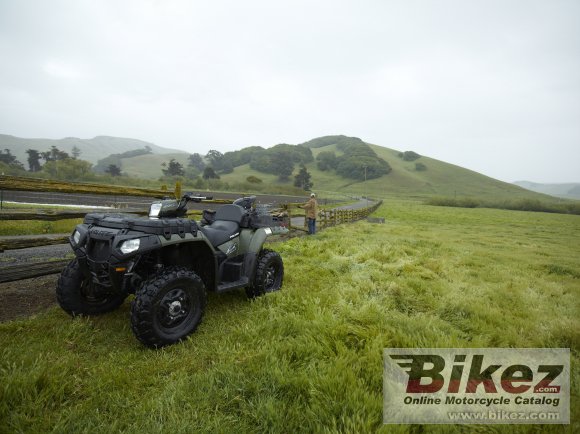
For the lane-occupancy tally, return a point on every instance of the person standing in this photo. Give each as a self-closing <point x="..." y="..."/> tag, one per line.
<point x="311" y="208"/>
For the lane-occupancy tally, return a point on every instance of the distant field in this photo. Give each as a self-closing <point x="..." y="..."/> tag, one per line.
<point x="309" y="358"/>
<point x="149" y="166"/>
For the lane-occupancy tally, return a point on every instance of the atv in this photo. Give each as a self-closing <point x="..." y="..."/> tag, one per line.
<point x="168" y="262"/>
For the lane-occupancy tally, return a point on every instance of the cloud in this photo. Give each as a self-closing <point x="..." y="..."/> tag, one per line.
<point x="60" y="69"/>
<point x="458" y="81"/>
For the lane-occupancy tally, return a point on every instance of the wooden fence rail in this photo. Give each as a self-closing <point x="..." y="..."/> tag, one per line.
<point x="22" y="183"/>
<point x="59" y="215"/>
<point x="12" y="273"/>
<point x="332" y="217"/>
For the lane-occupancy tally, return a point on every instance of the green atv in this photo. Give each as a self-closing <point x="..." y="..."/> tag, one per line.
<point x="168" y="262"/>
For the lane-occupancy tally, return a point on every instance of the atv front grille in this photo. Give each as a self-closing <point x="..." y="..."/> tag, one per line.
<point x="99" y="272"/>
<point x="99" y="250"/>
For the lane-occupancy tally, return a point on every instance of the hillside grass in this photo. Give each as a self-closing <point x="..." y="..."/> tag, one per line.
<point x="149" y="166"/>
<point x="309" y="358"/>
<point x="404" y="181"/>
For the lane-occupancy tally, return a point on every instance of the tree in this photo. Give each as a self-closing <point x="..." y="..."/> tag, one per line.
<point x="54" y="154"/>
<point x="215" y="159"/>
<point x="9" y="159"/>
<point x="281" y="163"/>
<point x="326" y="160"/>
<point x="354" y="167"/>
<point x="209" y="173"/>
<point x="196" y="160"/>
<point x="113" y="170"/>
<point x="69" y="169"/>
<point x="33" y="160"/>
<point x="226" y="167"/>
<point x="280" y="159"/>
<point x="419" y="167"/>
<point x="76" y="152"/>
<point x="174" y="168"/>
<point x="302" y="180"/>
<point x="409" y="156"/>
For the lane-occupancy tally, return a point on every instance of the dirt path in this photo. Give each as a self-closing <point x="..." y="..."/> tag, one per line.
<point x="27" y="297"/>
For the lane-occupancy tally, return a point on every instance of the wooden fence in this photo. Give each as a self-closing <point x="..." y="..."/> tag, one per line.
<point x="21" y="183"/>
<point x="331" y="217"/>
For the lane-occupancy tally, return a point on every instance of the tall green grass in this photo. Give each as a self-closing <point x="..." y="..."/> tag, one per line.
<point x="563" y="207"/>
<point x="309" y="358"/>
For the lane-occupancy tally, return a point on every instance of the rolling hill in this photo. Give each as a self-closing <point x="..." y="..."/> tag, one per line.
<point x="434" y="177"/>
<point x="91" y="150"/>
<point x="565" y="191"/>
<point x="437" y="179"/>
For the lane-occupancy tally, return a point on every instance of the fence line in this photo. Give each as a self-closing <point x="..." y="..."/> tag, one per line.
<point x="326" y="218"/>
<point x="332" y="217"/>
<point x="47" y="185"/>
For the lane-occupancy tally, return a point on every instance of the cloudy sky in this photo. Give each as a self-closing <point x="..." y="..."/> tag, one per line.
<point x="490" y="85"/>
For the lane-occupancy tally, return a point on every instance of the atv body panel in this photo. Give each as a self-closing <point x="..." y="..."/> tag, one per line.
<point x="226" y="249"/>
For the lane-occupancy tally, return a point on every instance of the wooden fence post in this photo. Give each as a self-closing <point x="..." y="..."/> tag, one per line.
<point x="178" y="189"/>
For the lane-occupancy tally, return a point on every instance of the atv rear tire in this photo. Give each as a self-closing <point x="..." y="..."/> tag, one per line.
<point x="269" y="274"/>
<point x="168" y="307"/>
<point x="76" y="293"/>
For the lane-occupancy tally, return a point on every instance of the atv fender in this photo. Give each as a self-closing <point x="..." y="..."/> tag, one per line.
<point x="254" y="245"/>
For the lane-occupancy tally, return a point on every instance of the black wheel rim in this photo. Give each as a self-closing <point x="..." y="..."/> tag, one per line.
<point x="174" y="310"/>
<point x="272" y="277"/>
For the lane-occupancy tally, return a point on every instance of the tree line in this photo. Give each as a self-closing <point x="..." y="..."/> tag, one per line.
<point x="279" y="160"/>
<point x="353" y="159"/>
<point x="54" y="162"/>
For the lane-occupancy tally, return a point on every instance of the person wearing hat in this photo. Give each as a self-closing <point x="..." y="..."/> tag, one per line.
<point x="311" y="208"/>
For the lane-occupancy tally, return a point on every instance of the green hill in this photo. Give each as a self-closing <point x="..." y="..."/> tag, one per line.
<point x="436" y="179"/>
<point x="388" y="174"/>
<point x="150" y="166"/>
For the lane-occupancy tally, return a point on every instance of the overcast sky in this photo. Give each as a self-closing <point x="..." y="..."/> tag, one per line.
<point x="493" y="86"/>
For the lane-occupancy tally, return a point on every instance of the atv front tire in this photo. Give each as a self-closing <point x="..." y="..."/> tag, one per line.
<point x="168" y="307"/>
<point x="78" y="295"/>
<point x="269" y="274"/>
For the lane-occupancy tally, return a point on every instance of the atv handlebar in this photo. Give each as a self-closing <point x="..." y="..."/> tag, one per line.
<point x="195" y="198"/>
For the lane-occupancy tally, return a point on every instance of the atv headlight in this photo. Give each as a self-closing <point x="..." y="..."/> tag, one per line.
<point x="154" y="209"/>
<point x="130" y="246"/>
<point x="76" y="236"/>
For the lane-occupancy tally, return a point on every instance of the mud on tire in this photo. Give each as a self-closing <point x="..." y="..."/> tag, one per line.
<point x="78" y="295"/>
<point x="168" y="307"/>
<point x="269" y="274"/>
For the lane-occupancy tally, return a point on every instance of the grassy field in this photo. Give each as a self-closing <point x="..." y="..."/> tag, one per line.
<point x="149" y="166"/>
<point x="309" y="358"/>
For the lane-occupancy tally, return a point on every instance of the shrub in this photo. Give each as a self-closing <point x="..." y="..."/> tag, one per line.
<point x="253" y="179"/>
<point x="409" y="156"/>
<point x="513" y="205"/>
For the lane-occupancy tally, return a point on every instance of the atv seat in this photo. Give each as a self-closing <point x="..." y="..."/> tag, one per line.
<point x="225" y="226"/>
<point x="230" y="213"/>
<point x="220" y="231"/>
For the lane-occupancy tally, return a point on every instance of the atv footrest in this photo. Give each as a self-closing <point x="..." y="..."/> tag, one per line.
<point x="228" y="286"/>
